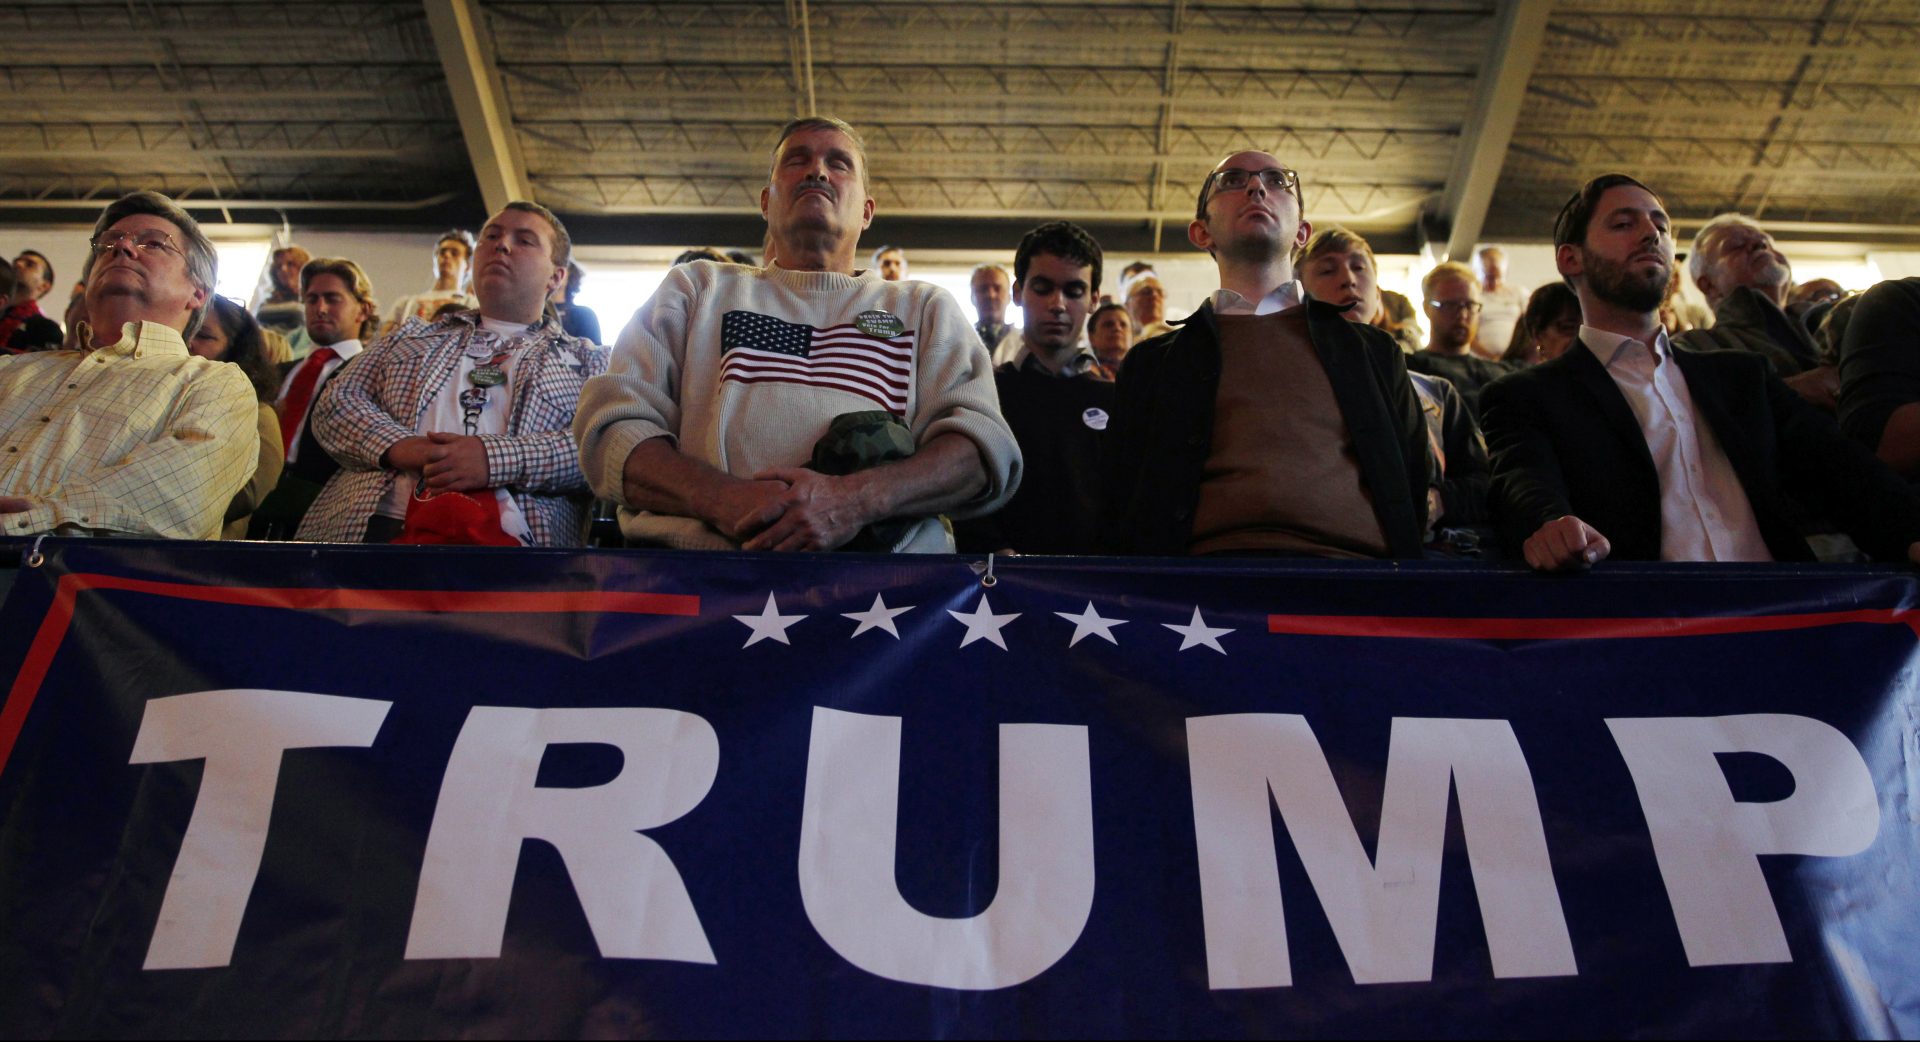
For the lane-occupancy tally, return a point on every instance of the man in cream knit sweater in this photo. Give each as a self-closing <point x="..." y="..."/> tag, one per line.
<point x="723" y="383"/>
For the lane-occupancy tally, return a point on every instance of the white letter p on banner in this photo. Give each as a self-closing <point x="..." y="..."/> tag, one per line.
<point x="1706" y="842"/>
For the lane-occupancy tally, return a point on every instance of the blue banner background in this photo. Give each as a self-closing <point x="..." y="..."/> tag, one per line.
<point x="87" y="841"/>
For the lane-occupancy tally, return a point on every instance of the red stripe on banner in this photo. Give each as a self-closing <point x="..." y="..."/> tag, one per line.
<point x="1571" y="629"/>
<point x="53" y="629"/>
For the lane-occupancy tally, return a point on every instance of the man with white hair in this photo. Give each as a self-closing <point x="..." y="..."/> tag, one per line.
<point x="1746" y="279"/>
<point x="137" y="436"/>
<point x="1501" y="303"/>
<point x="989" y="284"/>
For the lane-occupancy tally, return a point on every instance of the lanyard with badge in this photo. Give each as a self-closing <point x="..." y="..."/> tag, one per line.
<point x="487" y="373"/>
<point x="456" y="517"/>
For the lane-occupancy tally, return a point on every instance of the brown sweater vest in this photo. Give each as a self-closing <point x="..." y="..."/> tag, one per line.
<point x="1282" y="476"/>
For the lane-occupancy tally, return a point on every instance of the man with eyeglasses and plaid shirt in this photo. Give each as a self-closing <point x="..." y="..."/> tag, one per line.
<point x="1267" y="424"/>
<point x="136" y="436"/>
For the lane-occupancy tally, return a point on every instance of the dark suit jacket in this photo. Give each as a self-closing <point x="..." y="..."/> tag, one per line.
<point x="1564" y="441"/>
<point x="1162" y="430"/>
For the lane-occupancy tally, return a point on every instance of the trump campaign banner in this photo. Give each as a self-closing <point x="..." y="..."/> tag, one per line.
<point x="294" y="791"/>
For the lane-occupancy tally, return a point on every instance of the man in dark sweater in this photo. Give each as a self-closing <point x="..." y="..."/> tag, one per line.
<point x="1055" y="397"/>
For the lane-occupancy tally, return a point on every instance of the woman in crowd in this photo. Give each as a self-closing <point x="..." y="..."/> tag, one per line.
<point x="1338" y="268"/>
<point x="230" y="334"/>
<point x="1547" y="328"/>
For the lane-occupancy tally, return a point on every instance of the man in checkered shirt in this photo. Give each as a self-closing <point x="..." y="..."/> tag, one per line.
<point x="136" y="436"/>
<point x="478" y="403"/>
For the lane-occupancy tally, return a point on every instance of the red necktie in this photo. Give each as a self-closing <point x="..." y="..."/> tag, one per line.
<point x="300" y="395"/>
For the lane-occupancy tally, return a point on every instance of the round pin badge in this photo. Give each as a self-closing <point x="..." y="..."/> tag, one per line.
<point x="1095" y="418"/>
<point x="878" y="323"/>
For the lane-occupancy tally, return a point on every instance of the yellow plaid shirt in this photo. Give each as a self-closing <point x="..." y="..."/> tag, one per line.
<point x="140" y="438"/>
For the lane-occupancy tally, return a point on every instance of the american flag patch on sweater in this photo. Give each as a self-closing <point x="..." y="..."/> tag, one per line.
<point x="759" y="349"/>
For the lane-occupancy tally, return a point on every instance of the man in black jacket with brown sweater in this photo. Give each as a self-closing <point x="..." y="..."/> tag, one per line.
<point x="1267" y="424"/>
<point x="1626" y="446"/>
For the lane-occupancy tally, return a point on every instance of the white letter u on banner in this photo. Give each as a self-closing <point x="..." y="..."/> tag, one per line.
<point x="847" y="840"/>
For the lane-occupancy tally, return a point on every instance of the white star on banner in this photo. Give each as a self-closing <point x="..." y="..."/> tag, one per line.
<point x="768" y="625"/>
<point x="1089" y="624"/>
<point x="878" y="617"/>
<point x="983" y="624"/>
<point x="1197" y="632"/>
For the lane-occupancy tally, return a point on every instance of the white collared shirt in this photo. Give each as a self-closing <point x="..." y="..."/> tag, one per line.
<point x="1704" y="511"/>
<point x="344" y="351"/>
<point x="1079" y="363"/>
<point x="1288" y="294"/>
<point x="1013" y="348"/>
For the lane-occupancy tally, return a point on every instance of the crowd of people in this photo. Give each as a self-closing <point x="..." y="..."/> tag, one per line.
<point x="819" y="398"/>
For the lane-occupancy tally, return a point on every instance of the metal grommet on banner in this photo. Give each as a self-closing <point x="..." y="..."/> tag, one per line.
<point x="987" y="579"/>
<point x="34" y="557"/>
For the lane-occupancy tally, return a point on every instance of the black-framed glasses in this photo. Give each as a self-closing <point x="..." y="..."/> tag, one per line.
<point x="1275" y="179"/>
<point x="150" y="243"/>
<point x="1234" y="179"/>
<point x="1458" y="307"/>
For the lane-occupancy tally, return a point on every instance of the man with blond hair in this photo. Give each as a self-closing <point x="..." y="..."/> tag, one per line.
<point x="743" y="406"/>
<point x="1451" y="295"/>
<point x="339" y="314"/>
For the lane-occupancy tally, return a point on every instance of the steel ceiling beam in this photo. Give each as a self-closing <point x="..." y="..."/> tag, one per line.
<point x="266" y="139"/>
<point x="1163" y="136"/>
<point x="1115" y="198"/>
<point x="655" y="142"/>
<point x="1520" y="31"/>
<point x="1142" y="21"/>
<point x="466" y="56"/>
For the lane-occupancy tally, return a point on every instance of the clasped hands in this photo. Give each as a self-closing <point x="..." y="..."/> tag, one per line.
<point x="447" y="462"/>
<point x="789" y="508"/>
